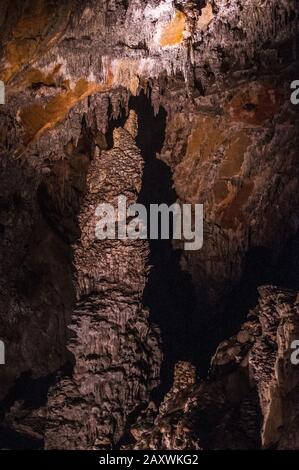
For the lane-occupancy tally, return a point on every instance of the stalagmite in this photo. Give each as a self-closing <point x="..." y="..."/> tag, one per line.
<point x="116" y="350"/>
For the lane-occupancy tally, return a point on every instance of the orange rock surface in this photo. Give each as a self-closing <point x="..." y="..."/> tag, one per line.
<point x="173" y="33"/>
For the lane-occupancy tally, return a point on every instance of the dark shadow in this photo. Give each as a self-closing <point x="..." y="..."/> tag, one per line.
<point x="169" y="293"/>
<point x="261" y="267"/>
<point x="32" y="394"/>
<point x="13" y="440"/>
<point x="114" y="123"/>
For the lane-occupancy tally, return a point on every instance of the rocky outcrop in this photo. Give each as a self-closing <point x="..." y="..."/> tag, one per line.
<point x="251" y="397"/>
<point x="271" y="368"/>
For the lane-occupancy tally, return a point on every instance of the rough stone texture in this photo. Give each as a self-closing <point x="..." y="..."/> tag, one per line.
<point x="222" y="71"/>
<point x="36" y="280"/>
<point x="117" y="354"/>
<point x="251" y="375"/>
<point x="263" y="347"/>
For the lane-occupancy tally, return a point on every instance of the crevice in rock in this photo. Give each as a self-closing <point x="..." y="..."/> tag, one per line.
<point x="169" y="291"/>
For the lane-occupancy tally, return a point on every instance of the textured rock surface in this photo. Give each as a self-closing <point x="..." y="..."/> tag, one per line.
<point x="117" y="354"/>
<point x="251" y="398"/>
<point x="221" y="72"/>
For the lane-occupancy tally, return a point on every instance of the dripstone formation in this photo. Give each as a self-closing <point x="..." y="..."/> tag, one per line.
<point x="116" y="352"/>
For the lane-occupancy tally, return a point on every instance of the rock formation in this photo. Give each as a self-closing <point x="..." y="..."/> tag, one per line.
<point x="160" y="101"/>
